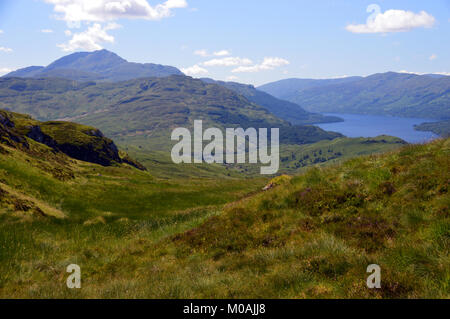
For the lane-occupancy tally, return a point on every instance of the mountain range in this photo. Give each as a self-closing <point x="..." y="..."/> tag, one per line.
<point x="396" y="94"/>
<point x="101" y="65"/>
<point x="139" y="104"/>
<point x="295" y="100"/>
<point x="144" y="111"/>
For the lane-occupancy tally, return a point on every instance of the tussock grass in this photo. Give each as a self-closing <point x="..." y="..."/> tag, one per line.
<point x="311" y="236"/>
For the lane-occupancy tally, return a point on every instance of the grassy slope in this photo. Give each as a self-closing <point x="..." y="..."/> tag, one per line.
<point x="295" y="159"/>
<point x="84" y="190"/>
<point x="95" y="207"/>
<point x="311" y="237"/>
<point x="315" y="236"/>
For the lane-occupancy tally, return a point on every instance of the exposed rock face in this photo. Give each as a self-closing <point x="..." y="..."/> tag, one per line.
<point x="93" y="147"/>
<point x="7" y="134"/>
<point x="36" y="134"/>
<point x="106" y="155"/>
<point x="5" y="121"/>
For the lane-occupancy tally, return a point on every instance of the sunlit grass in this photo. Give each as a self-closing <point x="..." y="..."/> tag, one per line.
<point x="311" y="236"/>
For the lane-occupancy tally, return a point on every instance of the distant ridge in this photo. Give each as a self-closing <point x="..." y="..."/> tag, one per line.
<point x="101" y="65"/>
<point x="287" y="88"/>
<point x="390" y="93"/>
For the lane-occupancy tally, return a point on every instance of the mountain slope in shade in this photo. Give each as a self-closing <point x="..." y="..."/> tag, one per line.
<point x="286" y="110"/>
<point x="26" y="72"/>
<point x="397" y="94"/>
<point x="99" y="65"/>
<point x="288" y="88"/>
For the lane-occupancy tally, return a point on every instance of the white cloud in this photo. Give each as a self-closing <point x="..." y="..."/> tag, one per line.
<point x="194" y="70"/>
<point x="433" y="57"/>
<point x="47" y="31"/>
<point x="392" y="21"/>
<point x="202" y="53"/>
<point x="228" y="61"/>
<point x="442" y="73"/>
<point x="6" y="50"/>
<point x="73" y="11"/>
<point x="409" y="72"/>
<point x="4" y="71"/>
<point x="339" y="76"/>
<point x="269" y="63"/>
<point x="222" y="53"/>
<point x="90" y="39"/>
<point x="421" y="73"/>
<point x="241" y="65"/>
<point x="232" y="78"/>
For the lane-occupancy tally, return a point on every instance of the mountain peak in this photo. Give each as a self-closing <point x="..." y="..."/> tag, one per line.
<point x="100" y="65"/>
<point x="88" y="61"/>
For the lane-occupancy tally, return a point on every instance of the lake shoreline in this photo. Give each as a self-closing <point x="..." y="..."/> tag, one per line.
<point x="362" y="125"/>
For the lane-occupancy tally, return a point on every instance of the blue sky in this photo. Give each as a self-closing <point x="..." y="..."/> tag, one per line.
<point x="249" y="41"/>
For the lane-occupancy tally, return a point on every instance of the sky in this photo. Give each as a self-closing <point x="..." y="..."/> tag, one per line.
<point x="248" y="41"/>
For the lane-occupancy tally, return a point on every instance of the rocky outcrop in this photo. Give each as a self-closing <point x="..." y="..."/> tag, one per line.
<point x="85" y="145"/>
<point x="36" y="134"/>
<point x="7" y="134"/>
<point x="77" y="141"/>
